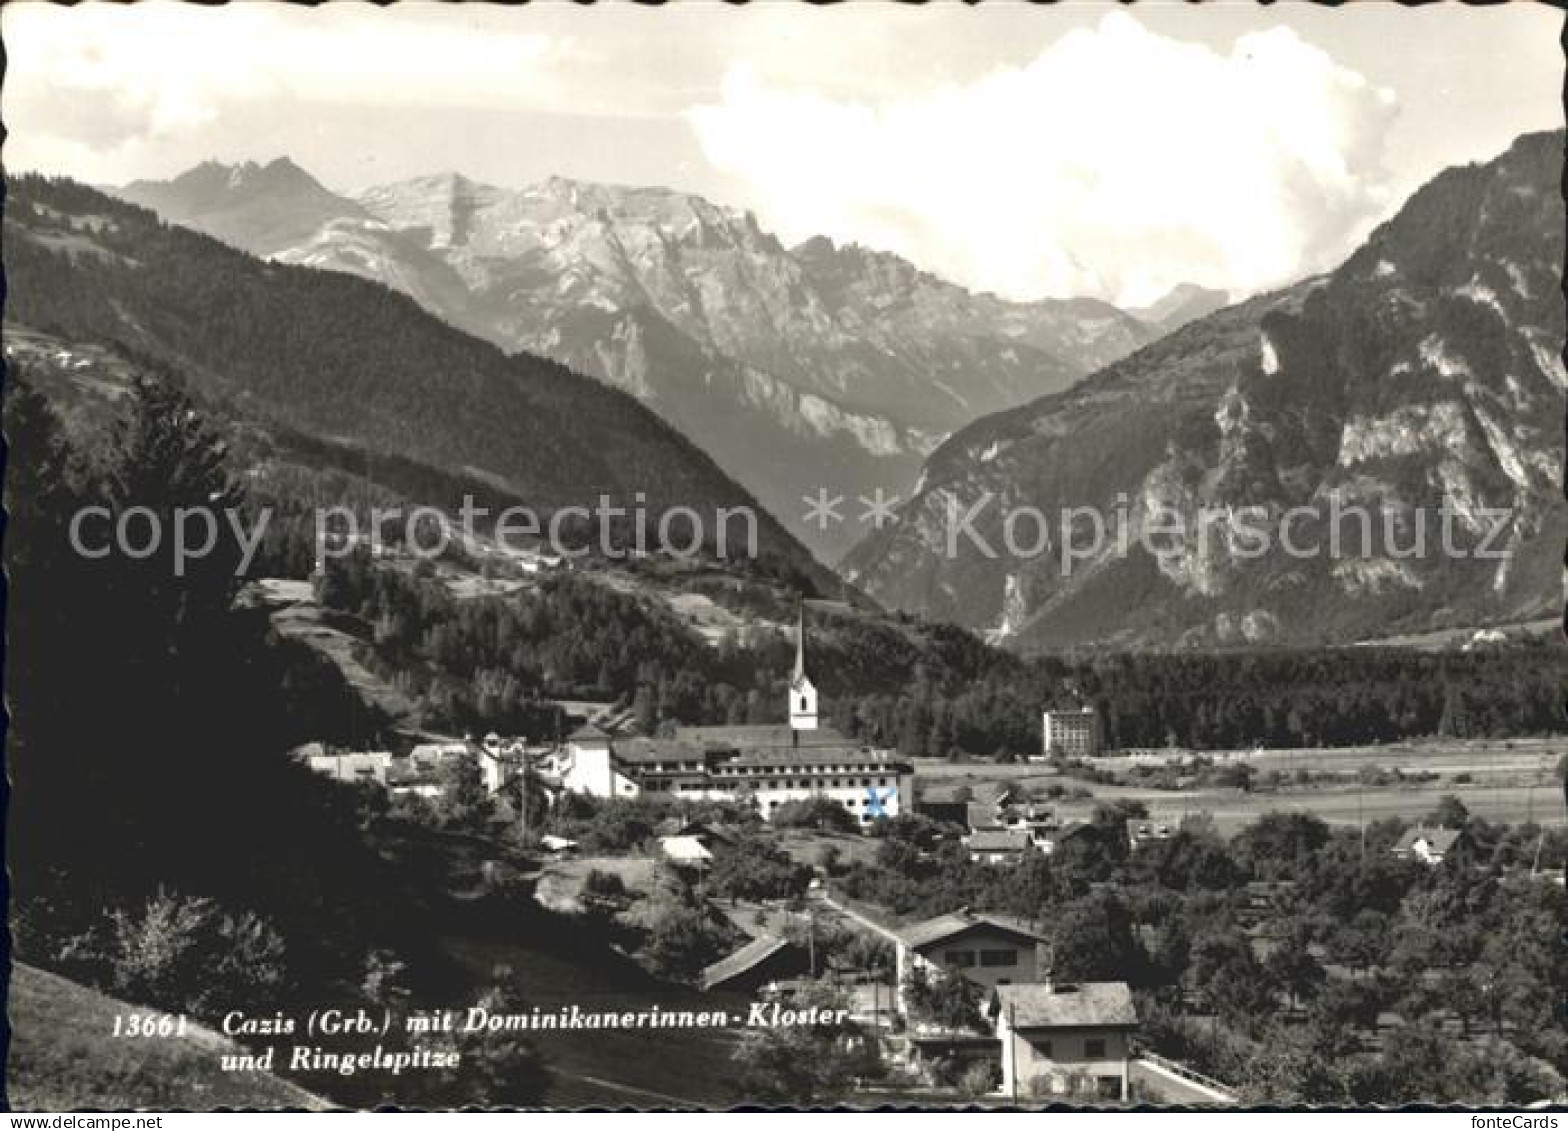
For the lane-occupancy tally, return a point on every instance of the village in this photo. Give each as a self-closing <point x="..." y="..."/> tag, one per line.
<point x="772" y="830"/>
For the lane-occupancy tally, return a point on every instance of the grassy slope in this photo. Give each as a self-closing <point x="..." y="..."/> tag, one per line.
<point x="64" y="1055"/>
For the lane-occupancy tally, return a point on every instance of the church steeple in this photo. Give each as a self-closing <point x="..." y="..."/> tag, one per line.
<point x="802" y="695"/>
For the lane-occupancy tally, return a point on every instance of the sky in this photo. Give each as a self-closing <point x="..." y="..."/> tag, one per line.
<point x="1081" y="149"/>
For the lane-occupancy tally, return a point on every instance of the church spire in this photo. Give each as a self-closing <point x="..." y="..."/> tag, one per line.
<point x="802" y="695"/>
<point x="800" y="642"/>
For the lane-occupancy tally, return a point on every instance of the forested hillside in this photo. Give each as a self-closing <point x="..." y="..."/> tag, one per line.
<point x="346" y="360"/>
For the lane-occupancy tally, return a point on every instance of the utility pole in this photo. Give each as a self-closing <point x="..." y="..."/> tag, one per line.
<point x="1012" y="1048"/>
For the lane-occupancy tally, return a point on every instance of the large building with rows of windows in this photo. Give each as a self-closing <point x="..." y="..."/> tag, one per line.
<point x="768" y="766"/>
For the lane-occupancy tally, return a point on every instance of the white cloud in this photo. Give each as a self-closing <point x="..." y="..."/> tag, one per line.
<point x="159" y="69"/>
<point x="1117" y="163"/>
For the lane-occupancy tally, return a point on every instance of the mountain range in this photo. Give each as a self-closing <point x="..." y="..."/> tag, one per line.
<point x="1426" y="371"/>
<point x="332" y="369"/>
<point x="816" y="367"/>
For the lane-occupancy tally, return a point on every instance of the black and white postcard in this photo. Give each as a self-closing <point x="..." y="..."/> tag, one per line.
<point x="699" y="556"/>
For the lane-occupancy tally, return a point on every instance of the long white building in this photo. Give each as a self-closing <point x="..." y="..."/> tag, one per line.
<point x="767" y="765"/>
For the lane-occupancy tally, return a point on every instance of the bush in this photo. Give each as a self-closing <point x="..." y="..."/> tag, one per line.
<point x="604" y="885"/>
<point x="188" y="954"/>
<point x="816" y="813"/>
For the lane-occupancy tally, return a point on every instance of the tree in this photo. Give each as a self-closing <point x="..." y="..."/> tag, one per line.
<point x="803" y="1064"/>
<point x="754" y="869"/>
<point x="463" y="804"/>
<point x="1294" y="967"/>
<point x="1093" y="940"/>
<point x="1450" y="813"/>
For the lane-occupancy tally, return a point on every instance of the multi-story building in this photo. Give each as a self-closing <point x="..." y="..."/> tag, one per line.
<point x="767" y="765"/>
<point x="1071" y="733"/>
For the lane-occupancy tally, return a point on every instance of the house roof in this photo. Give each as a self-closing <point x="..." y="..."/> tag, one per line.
<point x="921" y="935"/>
<point x="755" y="952"/>
<point x="1070" y="830"/>
<point x="588" y="733"/>
<point x="764" y="735"/>
<point x="946" y="793"/>
<point x="685" y="849"/>
<point x="982" y="815"/>
<point x="998" y="840"/>
<point x="677" y="826"/>
<point x="1078" y="1005"/>
<point x="1440" y="840"/>
<point x="645" y="750"/>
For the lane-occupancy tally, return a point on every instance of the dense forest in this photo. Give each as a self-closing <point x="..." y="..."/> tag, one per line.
<point x="926" y="689"/>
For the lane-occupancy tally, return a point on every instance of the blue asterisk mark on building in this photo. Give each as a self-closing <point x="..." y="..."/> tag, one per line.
<point x="877" y="799"/>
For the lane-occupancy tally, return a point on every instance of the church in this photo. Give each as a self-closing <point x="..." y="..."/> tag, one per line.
<point x="766" y="765"/>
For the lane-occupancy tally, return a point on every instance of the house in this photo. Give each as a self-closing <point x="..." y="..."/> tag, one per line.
<point x="1430" y="846"/>
<point x="685" y="851"/>
<point x="1065" y="1038"/>
<point x="588" y="765"/>
<point x="704" y="832"/>
<point x="990" y="950"/>
<point x="998" y="846"/>
<point x="947" y="802"/>
<point x="759" y="963"/>
<point x="1140" y="833"/>
<point x="365" y="767"/>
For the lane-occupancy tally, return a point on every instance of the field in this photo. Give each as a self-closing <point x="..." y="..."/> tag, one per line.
<point x="1503" y="781"/>
<point x="64" y="1056"/>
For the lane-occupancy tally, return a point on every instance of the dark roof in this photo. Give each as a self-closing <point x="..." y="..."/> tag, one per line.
<point x="943" y="927"/>
<point x="1035" y="1005"/>
<point x="998" y="840"/>
<point x="982" y="815"/>
<point x="1068" y="831"/>
<point x="807" y="756"/>
<point x="643" y="750"/>
<point x="588" y="733"/>
<point x="755" y="952"/>
<point x="945" y="793"/>
<point x="763" y="736"/>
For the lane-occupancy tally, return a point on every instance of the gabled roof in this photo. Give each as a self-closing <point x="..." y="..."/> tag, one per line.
<point x="588" y="733"/>
<point x="921" y="935"/>
<point x="757" y="951"/>
<point x="998" y="840"/>
<point x="1440" y="840"/>
<point x="1078" y="1005"/>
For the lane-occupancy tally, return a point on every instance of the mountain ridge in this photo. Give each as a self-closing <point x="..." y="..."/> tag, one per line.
<point x="348" y="360"/>
<point x="1425" y="371"/>
<point x="844" y="366"/>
